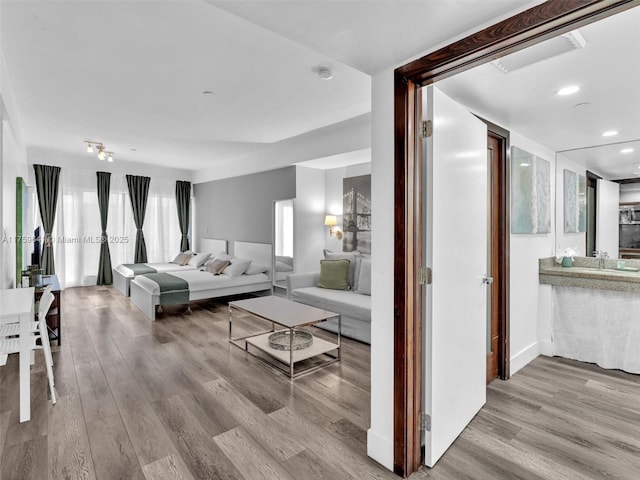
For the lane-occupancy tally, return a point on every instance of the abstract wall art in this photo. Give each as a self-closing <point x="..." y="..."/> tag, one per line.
<point x="530" y="193"/>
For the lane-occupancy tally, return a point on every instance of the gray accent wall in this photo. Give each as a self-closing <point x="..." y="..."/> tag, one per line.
<point x="241" y="208"/>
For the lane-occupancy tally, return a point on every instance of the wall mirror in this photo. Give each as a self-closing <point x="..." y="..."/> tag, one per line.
<point x="283" y="235"/>
<point x="592" y="127"/>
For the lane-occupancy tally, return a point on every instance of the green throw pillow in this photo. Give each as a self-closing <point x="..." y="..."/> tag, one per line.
<point x="333" y="274"/>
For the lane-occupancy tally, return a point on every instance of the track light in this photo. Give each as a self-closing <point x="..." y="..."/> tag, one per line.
<point x="102" y="153"/>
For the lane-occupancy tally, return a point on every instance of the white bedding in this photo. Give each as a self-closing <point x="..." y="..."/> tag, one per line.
<point x="160" y="267"/>
<point x="200" y="281"/>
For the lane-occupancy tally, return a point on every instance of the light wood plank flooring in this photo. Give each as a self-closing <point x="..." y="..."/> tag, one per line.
<point x="173" y="400"/>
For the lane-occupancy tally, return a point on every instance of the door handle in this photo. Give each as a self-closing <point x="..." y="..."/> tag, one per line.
<point x="487" y="280"/>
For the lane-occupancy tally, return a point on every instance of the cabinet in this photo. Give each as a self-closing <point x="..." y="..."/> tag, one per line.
<point x="54" y="316"/>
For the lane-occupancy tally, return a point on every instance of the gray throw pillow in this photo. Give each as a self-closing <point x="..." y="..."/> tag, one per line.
<point x="333" y="274"/>
<point x="351" y="256"/>
<point x="364" y="280"/>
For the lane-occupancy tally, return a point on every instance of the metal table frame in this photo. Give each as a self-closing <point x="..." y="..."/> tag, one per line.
<point x="291" y="371"/>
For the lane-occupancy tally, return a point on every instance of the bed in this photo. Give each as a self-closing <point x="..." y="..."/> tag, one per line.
<point x="123" y="274"/>
<point x="201" y="285"/>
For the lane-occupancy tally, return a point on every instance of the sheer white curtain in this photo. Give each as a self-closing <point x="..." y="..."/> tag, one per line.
<point x="76" y="230"/>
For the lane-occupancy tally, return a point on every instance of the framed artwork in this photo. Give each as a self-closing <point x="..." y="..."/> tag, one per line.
<point x="356" y="214"/>
<point x="530" y="193"/>
<point x="574" y="188"/>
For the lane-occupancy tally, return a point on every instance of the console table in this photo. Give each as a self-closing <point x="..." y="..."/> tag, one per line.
<point x="54" y="316"/>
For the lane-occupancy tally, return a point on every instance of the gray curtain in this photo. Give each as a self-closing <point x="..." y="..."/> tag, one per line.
<point x="47" y="181"/>
<point x="138" y="193"/>
<point x="183" y="202"/>
<point x="105" y="276"/>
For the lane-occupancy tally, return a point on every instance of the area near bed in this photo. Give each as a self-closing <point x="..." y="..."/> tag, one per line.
<point x="124" y="273"/>
<point x="152" y="290"/>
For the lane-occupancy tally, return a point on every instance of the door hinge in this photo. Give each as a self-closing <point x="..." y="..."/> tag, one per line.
<point x="426" y="128"/>
<point x="424" y="276"/>
<point x="425" y="423"/>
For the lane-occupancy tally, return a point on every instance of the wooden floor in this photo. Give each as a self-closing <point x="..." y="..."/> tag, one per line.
<point x="173" y="399"/>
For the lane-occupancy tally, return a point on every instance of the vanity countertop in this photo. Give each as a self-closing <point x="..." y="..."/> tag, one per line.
<point x="585" y="274"/>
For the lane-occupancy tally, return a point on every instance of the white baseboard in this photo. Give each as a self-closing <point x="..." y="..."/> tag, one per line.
<point x="380" y="449"/>
<point x="524" y="356"/>
<point x="546" y="348"/>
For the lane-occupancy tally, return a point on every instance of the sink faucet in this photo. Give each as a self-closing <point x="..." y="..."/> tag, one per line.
<point x="601" y="255"/>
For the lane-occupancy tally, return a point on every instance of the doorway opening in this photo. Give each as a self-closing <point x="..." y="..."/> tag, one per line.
<point x="498" y="365"/>
<point x="592" y="195"/>
<point x="532" y="26"/>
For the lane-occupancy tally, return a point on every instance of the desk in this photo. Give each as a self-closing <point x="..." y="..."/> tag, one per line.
<point x="17" y="305"/>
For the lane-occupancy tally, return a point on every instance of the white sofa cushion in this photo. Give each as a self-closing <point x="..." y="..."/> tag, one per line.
<point x="344" y="302"/>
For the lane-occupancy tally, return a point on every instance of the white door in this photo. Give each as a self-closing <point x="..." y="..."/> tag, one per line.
<point x="456" y="250"/>
<point x="607" y="218"/>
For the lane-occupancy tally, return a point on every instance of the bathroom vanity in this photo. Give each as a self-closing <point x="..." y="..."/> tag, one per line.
<point x="596" y="311"/>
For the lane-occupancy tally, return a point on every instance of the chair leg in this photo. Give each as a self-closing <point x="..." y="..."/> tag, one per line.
<point x="48" y="360"/>
<point x="51" y="384"/>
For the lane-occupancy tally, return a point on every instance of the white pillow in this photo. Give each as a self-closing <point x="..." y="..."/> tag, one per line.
<point x="199" y="259"/>
<point x="238" y="267"/>
<point x="223" y="256"/>
<point x="256" y="268"/>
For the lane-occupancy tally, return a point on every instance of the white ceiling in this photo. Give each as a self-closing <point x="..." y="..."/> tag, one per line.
<point x="369" y="35"/>
<point x="607" y="70"/>
<point x="131" y="74"/>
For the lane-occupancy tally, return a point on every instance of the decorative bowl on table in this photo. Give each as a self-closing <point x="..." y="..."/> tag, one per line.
<point x="282" y="340"/>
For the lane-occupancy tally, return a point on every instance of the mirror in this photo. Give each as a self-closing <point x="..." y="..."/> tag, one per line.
<point x="283" y="237"/>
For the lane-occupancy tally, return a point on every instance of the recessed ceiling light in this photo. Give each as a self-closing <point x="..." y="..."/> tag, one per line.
<point x="610" y="133"/>
<point x="626" y="150"/>
<point x="207" y="92"/>
<point x="568" y="90"/>
<point x="323" y="72"/>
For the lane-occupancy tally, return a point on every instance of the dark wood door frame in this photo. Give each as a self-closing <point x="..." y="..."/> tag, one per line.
<point x="532" y="26"/>
<point x="503" y="172"/>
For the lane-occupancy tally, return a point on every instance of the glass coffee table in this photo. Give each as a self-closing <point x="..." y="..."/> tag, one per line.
<point x="287" y="318"/>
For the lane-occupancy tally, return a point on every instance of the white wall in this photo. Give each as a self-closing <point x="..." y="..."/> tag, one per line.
<point x="309" y="227"/>
<point x="333" y="196"/>
<point x="629" y="192"/>
<point x="530" y="302"/>
<point x="380" y="435"/>
<point x="13" y="163"/>
<point x="348" y="136"/>
<point x="86" y="161"/>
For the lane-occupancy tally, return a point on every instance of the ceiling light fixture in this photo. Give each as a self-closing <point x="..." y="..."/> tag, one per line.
<point x="627" y="150"/>
<point x="610" y="133"/>
<point x="571" y="89"/>
<point x="102" y="152"/>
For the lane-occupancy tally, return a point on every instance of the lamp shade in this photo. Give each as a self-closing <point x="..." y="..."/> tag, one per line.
<point x="330" y="220"/>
